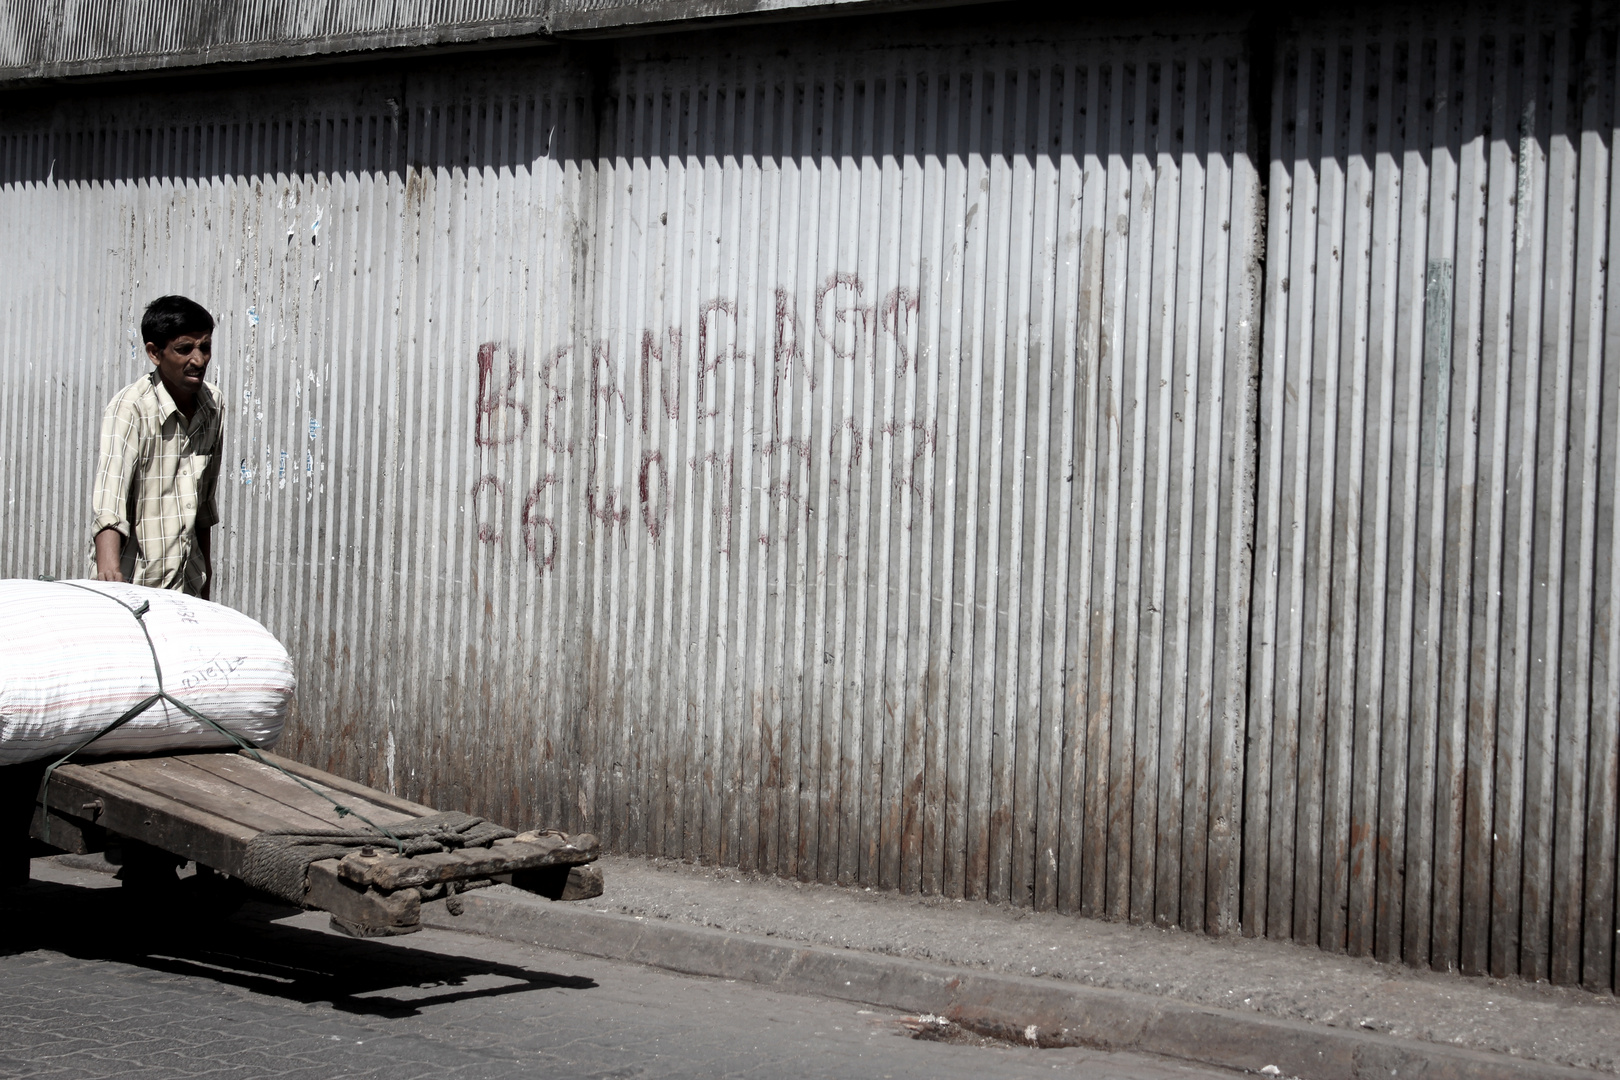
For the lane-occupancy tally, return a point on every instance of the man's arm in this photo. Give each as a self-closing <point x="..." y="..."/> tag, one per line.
<point x="208" y="510"/>
<point x="205" y="546"/>
<point x="109" y="553"/>
<point x="115" y="470"/>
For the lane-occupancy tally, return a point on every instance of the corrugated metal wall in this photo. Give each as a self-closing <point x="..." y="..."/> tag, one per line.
<point x="845" y="463"/>
<point x="916" y="444"/>
<point x="763" y="485"/>
<point x="50" y="39"/>
<point x="363" y="250"/>
<point x="1434" y="673"/>
<point x="48" y="36"/>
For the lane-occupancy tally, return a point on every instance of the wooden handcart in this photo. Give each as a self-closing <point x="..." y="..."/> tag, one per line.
<point x="208" y="807"/>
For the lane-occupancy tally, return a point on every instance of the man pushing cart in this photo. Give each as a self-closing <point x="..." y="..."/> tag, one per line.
<point x="135" y="713"/>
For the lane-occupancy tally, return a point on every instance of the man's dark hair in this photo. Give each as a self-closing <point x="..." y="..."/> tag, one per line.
<point x="168" y="317"/>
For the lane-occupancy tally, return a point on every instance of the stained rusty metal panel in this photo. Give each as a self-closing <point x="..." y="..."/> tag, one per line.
<point x="44" y="39"/>
<point x="70" y="37"/>
<point x="358" y="246"/>
<point x="845" y="463"/>
<point x="906" y="453"/>
<point x="833" y="463"/>
<point x="1433" y="700"/>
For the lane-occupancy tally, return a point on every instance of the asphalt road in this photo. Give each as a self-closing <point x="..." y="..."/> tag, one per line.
<point x="87" y="991"/>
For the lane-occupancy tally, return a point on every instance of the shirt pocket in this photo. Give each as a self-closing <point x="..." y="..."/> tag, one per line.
<point x="202" y="451"/>
<point x="196" y="470"/>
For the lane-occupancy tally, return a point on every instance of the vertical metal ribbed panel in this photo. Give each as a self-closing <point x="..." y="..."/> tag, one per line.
<point x="25" y="33"/>
<point x="844" y="464"/>
<point x="363" y="249"/>
<point x="916" y="443"/>
<point x="42" y="36"/>
<point x="48" y="39"/>
<point x="834" y="463"/>
<point x="1433" y="697"/>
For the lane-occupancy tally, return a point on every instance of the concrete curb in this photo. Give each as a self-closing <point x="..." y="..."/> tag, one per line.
<point x="1063" y="1013"/>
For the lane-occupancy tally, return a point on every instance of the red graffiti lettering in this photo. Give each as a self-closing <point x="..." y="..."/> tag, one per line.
<point x="788" y="443"/>
<point x="904" y="469"/>
<point x="800" y="448"/>
<point x="488" y="532"/>
<point x="605" y="509"/>
<point x="669" y="387"/>
<point x="785" y="347"/>
<point x="712" y="352"/>
<point x="502" y="416"/>
<point x="897" y="314"/>
<point x="539" y="534"/>
<point x="723" y="465"/>
<point x="551" y="416"/>
<point x="654" y="509"/>
<point x="853" y="442"/>
<point x="605" y="389"/>
<point x="841" y="321"/>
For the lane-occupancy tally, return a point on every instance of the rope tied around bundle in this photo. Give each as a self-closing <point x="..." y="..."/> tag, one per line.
<point x="278" y="861"/>
<point x="162" y="694"/>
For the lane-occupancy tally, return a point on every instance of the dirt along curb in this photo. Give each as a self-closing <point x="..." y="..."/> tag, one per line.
<point x="1058" y="980"/>
<point x="1047" y="1012"/>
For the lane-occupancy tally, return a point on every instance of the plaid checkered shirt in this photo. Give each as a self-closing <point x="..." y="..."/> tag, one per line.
<point x="156" y="481"/>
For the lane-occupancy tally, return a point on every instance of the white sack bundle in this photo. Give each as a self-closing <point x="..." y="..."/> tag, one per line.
<point x="72" y="661"/>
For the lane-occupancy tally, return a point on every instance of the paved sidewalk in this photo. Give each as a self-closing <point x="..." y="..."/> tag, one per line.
<point x="88" y="994"/>
<point x="1233" y="1002"/>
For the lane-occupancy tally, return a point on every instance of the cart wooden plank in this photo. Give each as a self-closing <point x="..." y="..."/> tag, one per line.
<point x="120" y="807"/>
<point x="361" y="911"/>
<point x="169" y="778"/>
<point x="347" y="787"/>
<point x="253" y="776"/>
<point x="527" y="851"/>
<point x="72" y="835"/>
<point x="208" y="807"/>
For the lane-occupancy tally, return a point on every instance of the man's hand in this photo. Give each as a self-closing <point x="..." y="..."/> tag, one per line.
<point x="109" y="551"/>
<point x="205" y="544"/>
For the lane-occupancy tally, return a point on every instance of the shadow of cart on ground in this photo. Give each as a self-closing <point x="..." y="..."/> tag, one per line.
<point x="262" y="947"/>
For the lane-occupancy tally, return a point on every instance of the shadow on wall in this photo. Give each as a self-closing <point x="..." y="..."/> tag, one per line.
<point x="1027" y="91"/>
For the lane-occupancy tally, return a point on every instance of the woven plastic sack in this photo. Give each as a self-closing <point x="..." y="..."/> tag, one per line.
<point x="72" y="661"/>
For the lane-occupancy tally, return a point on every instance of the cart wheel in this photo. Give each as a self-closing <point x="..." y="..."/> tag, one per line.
<point x="149" y="872"/>
<point x="212" y="894"/>
<point x="17" y="786"/>
<point x="13" y="865"/>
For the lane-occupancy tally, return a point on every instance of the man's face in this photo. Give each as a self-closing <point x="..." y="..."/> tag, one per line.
<point x="182" y="362"/>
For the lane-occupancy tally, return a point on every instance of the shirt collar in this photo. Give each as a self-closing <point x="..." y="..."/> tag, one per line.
<point x="166" y="405"/>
